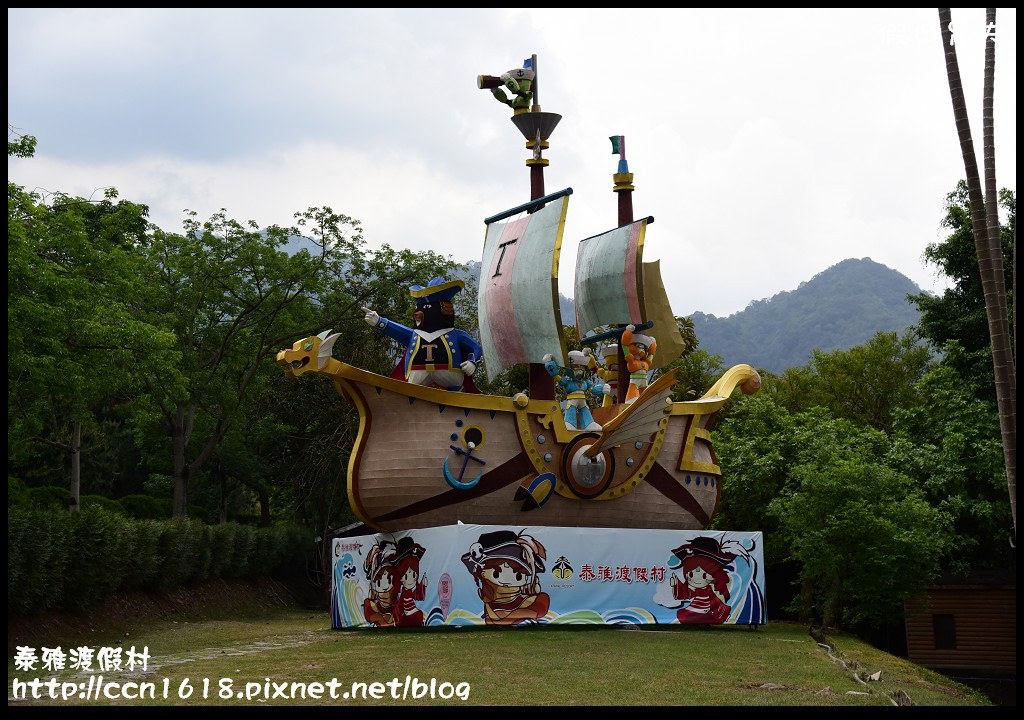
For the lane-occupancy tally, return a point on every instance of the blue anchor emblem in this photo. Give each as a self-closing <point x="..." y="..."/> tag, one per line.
<point x="467" y="456"/>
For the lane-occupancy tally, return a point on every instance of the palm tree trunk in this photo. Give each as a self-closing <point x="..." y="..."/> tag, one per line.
<point x="987" y="245"/>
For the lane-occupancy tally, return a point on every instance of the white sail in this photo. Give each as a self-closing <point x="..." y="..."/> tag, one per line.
<point x="609" y="278"/>
<point x="518" y="292"/>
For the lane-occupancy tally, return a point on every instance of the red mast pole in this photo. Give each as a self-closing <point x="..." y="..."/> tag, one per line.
<point x="624" y="189"/>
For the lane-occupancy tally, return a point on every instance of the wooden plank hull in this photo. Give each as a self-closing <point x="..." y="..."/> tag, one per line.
<point x="407" y="454"/>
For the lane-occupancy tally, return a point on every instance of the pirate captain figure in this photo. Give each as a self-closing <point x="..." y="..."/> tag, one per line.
<point x="436" y="353"/>
<point x="506" y="568"/>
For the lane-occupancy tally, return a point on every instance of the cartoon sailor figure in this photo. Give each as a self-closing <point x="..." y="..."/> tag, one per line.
<point x="506" y="568"/>
<point x="409" y="586"/>
<point x="639" y="353"/>
<point x="573" y="380"/>
<point x="705" y="585"/>
<point x="436" y="353"/>
<point x="378" y="609"/>
<point x="517" y="81"/>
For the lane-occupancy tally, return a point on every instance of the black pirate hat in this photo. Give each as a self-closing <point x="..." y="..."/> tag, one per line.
<point x="503" y="545"/>
<point x="704" y="547"/>
<point x="406" y="547"/>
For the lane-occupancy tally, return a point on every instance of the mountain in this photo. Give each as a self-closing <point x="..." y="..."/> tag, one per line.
<point x="837" y="309"/>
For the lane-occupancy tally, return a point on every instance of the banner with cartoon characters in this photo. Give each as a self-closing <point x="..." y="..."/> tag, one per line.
<point x="495" y="575"/>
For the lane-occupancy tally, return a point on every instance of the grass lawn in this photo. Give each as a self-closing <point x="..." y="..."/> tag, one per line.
<point x="779" y="664"/>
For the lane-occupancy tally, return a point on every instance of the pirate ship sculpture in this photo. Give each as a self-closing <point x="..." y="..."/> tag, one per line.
<point x="430" y="455"/>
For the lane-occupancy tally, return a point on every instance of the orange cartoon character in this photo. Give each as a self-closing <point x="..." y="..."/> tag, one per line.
<point x="639" y="353"/>
<point x="409" y="586"/>
<point x="505" y="566"/>
<point x="379" y="609"/>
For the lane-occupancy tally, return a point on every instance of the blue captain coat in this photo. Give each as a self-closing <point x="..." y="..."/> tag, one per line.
<point x="451" y="347"/>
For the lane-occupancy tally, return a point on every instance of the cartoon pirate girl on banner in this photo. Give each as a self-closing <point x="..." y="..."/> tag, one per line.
<point x="704" y="589"/>
<point x="379" y="609"/>
<point x="409" y="586"/>
<point x="505" y="567"/>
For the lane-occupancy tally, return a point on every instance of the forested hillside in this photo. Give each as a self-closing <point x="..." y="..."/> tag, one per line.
<point x="837" y="309"/>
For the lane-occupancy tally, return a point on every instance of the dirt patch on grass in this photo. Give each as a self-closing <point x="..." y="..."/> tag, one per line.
<point x="124" y="613"/>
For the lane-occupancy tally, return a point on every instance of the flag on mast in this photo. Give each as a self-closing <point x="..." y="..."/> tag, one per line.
<point x="619" y="147"/>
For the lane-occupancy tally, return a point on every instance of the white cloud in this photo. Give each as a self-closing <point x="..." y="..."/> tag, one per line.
<point x="768" y="145"/>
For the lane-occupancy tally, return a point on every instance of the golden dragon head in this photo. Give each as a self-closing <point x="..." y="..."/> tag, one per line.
<point x="307" y="355"/>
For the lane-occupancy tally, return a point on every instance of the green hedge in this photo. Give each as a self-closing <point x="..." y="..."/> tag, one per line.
<point x="59" y="559"/>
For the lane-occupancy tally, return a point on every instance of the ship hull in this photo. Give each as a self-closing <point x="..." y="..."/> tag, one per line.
<point x="412" y="465"/>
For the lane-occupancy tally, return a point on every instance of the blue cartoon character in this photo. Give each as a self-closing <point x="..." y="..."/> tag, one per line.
<point x="436" y="353"/>
<point x="345" y="588"/>
<point x="573" y="380"/>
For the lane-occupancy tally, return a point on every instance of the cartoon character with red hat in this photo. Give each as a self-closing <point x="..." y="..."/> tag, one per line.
<point x="436" y="353"/>
<point x="705" y="587"/>
<point x="505" y="566"/>
<point x="409" y="586"/>
<point x="379" y="609"/>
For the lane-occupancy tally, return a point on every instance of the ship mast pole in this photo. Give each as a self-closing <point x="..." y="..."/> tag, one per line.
<point x="542" y="385"/>
<point x="623" y="187"/>
<point x="536" y="126"/>
<point x="537" y="144"/>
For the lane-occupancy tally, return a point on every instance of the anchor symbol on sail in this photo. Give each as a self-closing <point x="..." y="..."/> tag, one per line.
<point x="467" y="455"/>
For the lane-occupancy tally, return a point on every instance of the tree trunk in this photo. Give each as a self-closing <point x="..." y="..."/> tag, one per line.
<point x="833" y="612"/>
<point x="181" y="469"/>
<point x="806" y="614"/>
<point x="222" y="515"/>
<point x="987" y="245"/>
<point x="264" y="507"/>
<point x="76" y="466"/>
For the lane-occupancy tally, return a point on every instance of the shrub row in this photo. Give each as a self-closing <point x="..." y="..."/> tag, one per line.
<point x="140" y="507"/>
<point x="64" y="560"/>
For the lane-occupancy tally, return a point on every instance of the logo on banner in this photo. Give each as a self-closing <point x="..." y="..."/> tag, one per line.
<point x="562" y="569"/>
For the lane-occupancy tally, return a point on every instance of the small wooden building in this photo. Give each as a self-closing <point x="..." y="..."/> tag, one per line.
<point x="967" y="624"/>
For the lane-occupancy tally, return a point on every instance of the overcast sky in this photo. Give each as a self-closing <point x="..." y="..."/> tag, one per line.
<point x="768" y="145"/>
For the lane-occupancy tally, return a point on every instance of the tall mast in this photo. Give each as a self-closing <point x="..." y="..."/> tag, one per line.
<point x="623" y="187"/>
<point x="623" y="180"/>
<point x="536" y="126"/>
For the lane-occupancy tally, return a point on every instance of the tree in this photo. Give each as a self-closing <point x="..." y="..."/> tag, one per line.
<point x="984" y="219"/>
<point x="949" y="444"/>
<point x="959" y="313"/>
<point x="75" y="340"/>
<point x="864" y="535"/>
<point x="229" y="293"/>
<point x="820" y="488"/>
<point x="865" y="383"/>
<point x="696" y="371"/>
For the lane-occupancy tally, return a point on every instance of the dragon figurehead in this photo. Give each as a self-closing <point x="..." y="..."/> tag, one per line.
<point x="307" y="355"/>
